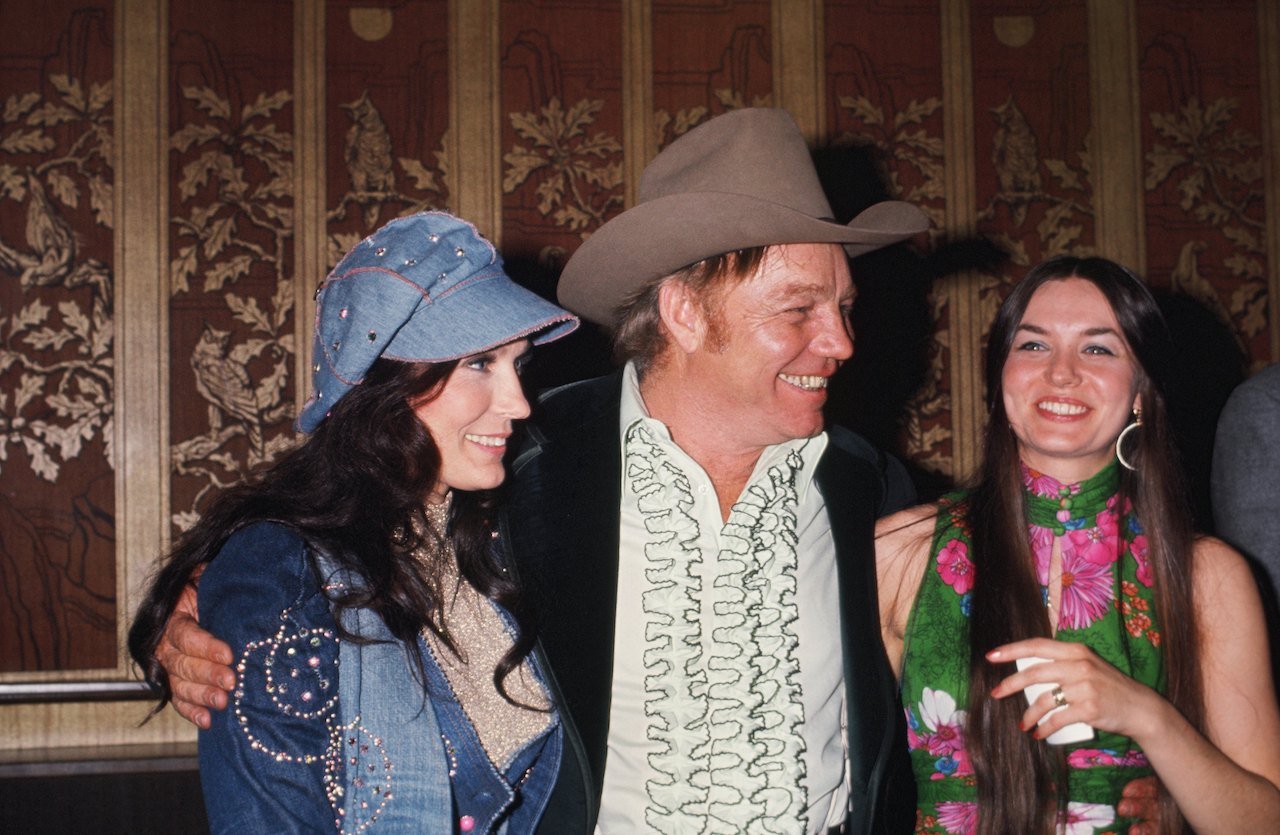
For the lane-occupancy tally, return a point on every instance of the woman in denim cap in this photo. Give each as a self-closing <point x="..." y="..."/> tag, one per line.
<point x="383" y="670"/>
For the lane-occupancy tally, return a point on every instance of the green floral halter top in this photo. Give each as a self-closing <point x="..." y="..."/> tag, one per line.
<point x="1105" y="603"/>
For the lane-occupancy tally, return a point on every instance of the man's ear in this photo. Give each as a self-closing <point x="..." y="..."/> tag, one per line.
<point x="682" y="315"/>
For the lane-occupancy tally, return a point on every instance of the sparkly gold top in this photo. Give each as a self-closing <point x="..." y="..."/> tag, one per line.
<point x="482" y="638"/>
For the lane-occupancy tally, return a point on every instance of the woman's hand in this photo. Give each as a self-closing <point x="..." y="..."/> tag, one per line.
<point x="1090" y="690"/>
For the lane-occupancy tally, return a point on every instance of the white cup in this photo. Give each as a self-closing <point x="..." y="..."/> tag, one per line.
<point x="1076" y="731"/>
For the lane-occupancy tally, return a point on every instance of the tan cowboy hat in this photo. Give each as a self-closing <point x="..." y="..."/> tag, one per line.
<point x="743" y="179"/>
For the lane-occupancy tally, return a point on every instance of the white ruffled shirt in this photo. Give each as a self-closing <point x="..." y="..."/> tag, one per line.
<point x="628" y="764"/>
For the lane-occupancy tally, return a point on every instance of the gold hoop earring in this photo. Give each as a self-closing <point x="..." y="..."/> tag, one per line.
<point x="1137" y="421"/>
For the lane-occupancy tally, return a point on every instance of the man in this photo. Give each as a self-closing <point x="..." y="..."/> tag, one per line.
<point x="708" y="669"/>
<point x="1246" y="497"/>
<point x="699" y="550"/>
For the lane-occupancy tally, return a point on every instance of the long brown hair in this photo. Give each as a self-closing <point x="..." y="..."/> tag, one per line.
<point x="354" y="489"/>
<point x="1022" y="781"/>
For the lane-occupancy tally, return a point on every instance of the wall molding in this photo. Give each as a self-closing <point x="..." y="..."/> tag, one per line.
<point x="965" y="325"/>
<point x="799" y="80"/>
<point x="475" y="115"/>
<point x="1117" y="180"/>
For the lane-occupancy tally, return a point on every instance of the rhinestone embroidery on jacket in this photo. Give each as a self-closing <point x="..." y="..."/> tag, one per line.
<point x="300" y="686"/>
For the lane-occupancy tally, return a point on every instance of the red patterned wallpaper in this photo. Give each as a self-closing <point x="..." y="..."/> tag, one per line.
<point x="231" y="243"/>
<point x="561" y="71"/>
<point x="57" y="500"/>
<point x="708" y="57"/>
<point x="884" y="114"/>
<point x="1202" y="143"/>
<point x="1031" y="104"/>
<point x="386" y="111"/>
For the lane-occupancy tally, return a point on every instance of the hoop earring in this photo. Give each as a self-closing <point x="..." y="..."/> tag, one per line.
<point x="1137" y="421"/>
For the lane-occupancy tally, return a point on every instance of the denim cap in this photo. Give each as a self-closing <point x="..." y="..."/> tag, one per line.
<point x="423" y="288"/>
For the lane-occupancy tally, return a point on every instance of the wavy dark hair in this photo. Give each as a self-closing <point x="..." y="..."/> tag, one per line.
<point x="1020" y="780"/>
<point x="354" y="489"/>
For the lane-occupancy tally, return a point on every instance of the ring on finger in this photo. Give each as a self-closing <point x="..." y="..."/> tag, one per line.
<point x="1059" y="698"/>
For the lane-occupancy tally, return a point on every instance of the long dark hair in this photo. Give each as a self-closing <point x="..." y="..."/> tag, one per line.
<point x="355" y="489"/>
<point x="1021" y="781"/>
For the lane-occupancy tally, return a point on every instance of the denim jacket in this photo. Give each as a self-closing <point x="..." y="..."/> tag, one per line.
<point x="304" y="748"/>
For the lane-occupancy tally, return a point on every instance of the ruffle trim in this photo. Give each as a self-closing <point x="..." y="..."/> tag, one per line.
<point x="727" y="713"/>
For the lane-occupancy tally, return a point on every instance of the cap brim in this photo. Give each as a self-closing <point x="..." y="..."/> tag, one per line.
<point x="661" y="236"/>
<point x="493" y="313"/>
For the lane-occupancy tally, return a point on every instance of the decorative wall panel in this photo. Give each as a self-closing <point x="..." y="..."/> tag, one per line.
<point x="561" y="77"/>
<point x="708" y="57"/>
<point x="1031" y="123"/>
<point x="293" y="128"/>
<point x="231" y="199"/>
<point x="58" y="607"/>
<point x="387" y="112"/>
<point x="1202" y="143"/>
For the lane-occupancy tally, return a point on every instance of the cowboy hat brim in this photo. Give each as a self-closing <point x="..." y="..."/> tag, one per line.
<point x="663" y="235"/>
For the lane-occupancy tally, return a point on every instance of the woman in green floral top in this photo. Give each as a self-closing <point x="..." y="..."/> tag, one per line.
<point x="1153" y="638"/>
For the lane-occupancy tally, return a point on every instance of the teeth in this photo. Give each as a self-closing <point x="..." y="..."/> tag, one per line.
<point x="1056" y="408"/>
<point x="808" y="382"/>
<point x="487" y="440"/>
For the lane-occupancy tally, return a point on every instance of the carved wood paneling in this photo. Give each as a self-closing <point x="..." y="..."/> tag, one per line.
<point x="58" y="580"/>
<point x="561" y="138"/>
<point x="161" y="231"/>
<point x="1202" y="135"/>
<point x="387" y="105"/>
<point x="232" y="340"/>
<point x="709" y="58"/>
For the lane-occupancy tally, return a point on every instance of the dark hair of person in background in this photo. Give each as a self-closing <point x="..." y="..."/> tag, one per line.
<point x="1211" y="363"/>
<point x="1019" y="779"/>
<point x="354" y="488"/>
<point x="893" y="322"/>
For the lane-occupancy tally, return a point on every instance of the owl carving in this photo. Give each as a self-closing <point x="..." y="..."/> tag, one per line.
<point x="1015" y="155"/>
<point x="367" y="151"/>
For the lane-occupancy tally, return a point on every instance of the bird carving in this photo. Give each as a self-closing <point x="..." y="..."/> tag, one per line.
<point x="225" y="383"/>
<point x="1015" y="155"/>
<point x="367" y="151"/>
<point x="51" y="260"/>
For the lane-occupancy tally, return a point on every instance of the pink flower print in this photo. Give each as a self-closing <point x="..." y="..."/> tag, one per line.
<point x="1096" y="544"/>
<point x="941" y="733"/>
<point x="1087" y="818"/>
<point x="1040" y="484"/>
<point x="1042" y="548"/>
<point x="1086" y="592"/>
<point x="958" y="817"/>
<point x="954" y="566"/>
<point x="1139" y="551"/>
<point x="1094" y="757"/>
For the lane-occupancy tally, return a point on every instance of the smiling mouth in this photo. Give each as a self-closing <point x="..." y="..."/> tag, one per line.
<point x="1064" y="409"/>
<point x="808" y="382"/>
<point x="487" y="440"/>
